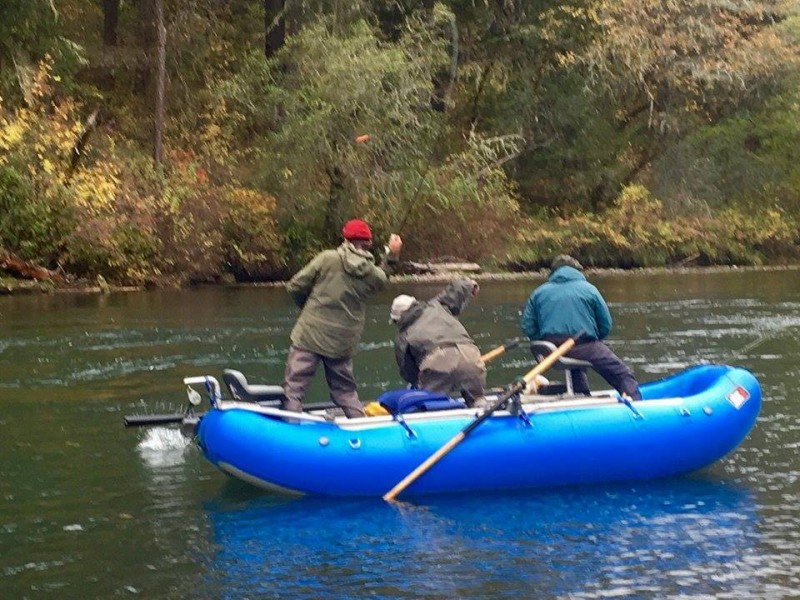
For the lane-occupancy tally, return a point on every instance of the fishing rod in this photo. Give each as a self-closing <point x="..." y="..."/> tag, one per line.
<point x="757" y="342"/>
<point x="422" y="176"/>
<point x="442" y="126"/>
<point x="752" y="345"/>
<point x="364" y="138"/>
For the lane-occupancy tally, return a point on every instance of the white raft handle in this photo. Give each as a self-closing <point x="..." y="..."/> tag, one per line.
<point x="212" y="387"/>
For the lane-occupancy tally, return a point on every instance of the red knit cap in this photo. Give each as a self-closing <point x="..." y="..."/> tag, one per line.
<point x="356" y="229"/>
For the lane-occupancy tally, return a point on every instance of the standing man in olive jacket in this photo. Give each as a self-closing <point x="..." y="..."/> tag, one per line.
<point x="433" y="349"/>
<point x="331" y="292"/>
<point x="565" y="305"/>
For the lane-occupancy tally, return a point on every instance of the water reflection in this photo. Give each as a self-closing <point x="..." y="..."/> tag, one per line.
<point x="685" y="536"/>
<point x="71" y="366"/>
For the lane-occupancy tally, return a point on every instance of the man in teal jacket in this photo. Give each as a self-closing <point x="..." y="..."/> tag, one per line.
<point x="565" y="305"/>
<point x="331" y="292"/>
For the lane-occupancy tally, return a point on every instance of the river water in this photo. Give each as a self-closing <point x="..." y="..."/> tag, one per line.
<point x="91" y="510"/>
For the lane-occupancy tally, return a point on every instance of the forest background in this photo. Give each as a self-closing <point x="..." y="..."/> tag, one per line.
<point x="177" y="141"/>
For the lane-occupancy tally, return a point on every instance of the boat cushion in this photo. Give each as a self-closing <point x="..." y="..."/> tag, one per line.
<point x="241" y="390"/>
<point x="404" y="401"/>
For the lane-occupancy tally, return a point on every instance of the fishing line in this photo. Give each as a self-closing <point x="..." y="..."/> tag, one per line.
<point x="442" y="125"/>
<point x="752" y="345"/>
<point x="756" y="342"/>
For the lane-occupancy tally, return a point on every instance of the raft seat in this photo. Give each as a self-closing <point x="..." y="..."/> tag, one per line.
<point x="542" y="348"/>
<point x="241" y="390"/>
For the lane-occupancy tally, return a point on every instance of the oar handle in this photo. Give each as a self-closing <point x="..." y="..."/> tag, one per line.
<point x="492" y="354"/>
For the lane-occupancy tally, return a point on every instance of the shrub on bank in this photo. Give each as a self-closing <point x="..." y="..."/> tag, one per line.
<point x="636" y="232"/>
<point x="106" y="210"/>
<point x="253" y="247"/>
<point x="177" y="227"/>
<point x="33" y="225"/>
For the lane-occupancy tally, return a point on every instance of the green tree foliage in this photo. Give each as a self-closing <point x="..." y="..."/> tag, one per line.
<point x="669" y="69"/>
<point x="29" y="31"/>
<point x="602" y="88"/>
<point x="520" y="78"/>
<point x="315" y="97"/>
<point x="306" y="109"/>
<point x="677" y="61"/>
<point x="750" y="159"/>
<point x="622" y="130"/>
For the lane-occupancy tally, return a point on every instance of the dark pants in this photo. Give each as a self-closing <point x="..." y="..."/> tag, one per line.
<point x="301" y="365"/>
<point x="607" y="364"/>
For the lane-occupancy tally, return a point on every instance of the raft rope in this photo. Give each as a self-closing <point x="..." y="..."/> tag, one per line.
<point x="213" y="397"/>
<point x="515" y="408"/>
<point x="399" y="418"/>
<point x="625" y="399"/>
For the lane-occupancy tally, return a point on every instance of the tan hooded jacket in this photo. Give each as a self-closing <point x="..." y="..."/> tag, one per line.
<point x="428" y="325"/>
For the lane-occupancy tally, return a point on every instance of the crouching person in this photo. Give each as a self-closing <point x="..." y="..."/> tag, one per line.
<point x="433" y="349"/>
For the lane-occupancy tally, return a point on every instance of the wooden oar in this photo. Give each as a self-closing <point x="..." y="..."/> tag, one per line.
<point x="167" y="419"/>
<point x="514" y="389"/>
<point x="492" y="354"/>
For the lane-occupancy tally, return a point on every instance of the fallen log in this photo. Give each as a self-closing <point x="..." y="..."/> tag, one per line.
<point x="443" y="267"/>
<point x="24" y="269"/>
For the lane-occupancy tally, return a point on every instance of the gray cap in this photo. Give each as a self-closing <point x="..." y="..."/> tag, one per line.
<point x="400" y="305"/>
<point x="565" y="260"/>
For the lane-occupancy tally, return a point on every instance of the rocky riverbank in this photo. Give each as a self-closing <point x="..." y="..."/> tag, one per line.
<point x="11" y="286"/>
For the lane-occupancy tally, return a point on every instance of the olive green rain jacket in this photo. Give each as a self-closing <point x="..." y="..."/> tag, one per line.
<point x="332" y="291"/>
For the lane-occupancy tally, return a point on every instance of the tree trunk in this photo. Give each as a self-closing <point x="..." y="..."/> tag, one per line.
<point x="274" y="26"/>
<point x="145" y="27"/>
<point x="160" y="58"/>
<point x="145" y="40"/>
<point x="473" y="120"/>
<point x="23" y="269"/>
<point x="110" y="21"/>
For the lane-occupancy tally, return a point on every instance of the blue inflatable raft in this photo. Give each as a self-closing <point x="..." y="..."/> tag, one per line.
<point x="683" y="423"/>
